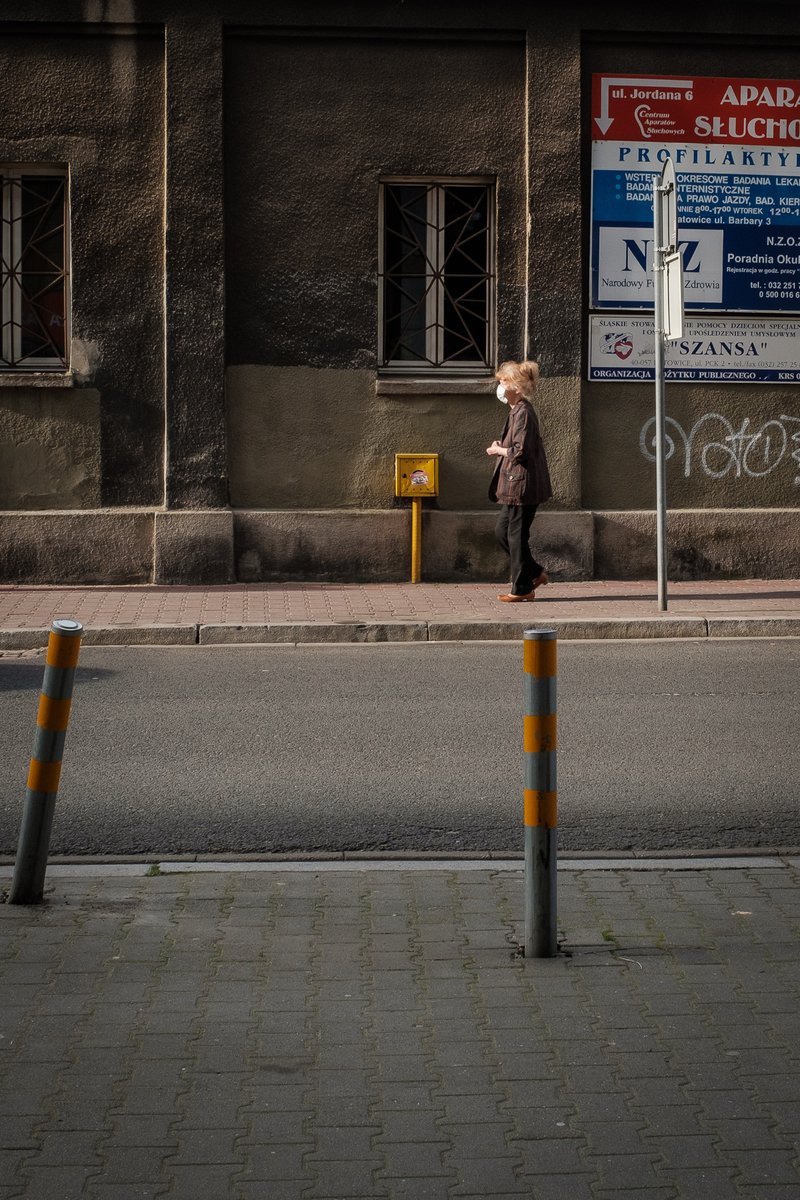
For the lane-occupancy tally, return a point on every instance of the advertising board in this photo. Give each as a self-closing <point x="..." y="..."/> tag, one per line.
<point x="735" y="146"/>
<point x="723" y="350"/>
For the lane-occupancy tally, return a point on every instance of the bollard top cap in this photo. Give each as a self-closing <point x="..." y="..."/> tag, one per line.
<point x="540" y="634"/>
<point x="66" y="625"/>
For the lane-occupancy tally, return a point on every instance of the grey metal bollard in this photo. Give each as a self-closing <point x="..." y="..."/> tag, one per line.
<point x="541" y="796"/>
<point x="63" y="648"/>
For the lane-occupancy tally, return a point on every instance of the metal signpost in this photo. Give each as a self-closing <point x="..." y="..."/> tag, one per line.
<point x="668" y="327"/>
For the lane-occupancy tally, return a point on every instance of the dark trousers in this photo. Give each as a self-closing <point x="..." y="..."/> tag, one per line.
<point x="512" y="531"/>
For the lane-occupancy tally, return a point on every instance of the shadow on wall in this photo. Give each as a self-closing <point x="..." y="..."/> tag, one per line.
<point x="701" y="544"/>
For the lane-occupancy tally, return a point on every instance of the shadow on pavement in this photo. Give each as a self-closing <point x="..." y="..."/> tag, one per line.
<point x="27" y="676"/>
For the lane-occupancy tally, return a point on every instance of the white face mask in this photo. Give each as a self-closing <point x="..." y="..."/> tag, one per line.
<point x="501" y="394"/>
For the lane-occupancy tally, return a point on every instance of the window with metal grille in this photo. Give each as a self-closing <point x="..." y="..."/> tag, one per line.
<point x="436" y="274"/>
<point x="34" y="283"/>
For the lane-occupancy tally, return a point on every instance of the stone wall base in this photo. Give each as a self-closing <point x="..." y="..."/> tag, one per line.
<point x="103" y="545"/>
<point x="193" y="547"/>
<point x="708" y="543"/>
<point x="375" y="545"/>
<point x="115" y="546"/>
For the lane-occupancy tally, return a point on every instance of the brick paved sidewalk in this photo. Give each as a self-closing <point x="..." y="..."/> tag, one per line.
<point x="387" y="612"/>
<point x="334" y="1034"/>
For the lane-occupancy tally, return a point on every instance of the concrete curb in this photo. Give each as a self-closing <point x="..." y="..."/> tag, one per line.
<point x="570" y="628"/>
<point x="733" y="627"/>
<point x="105" y="635"/>
<point x="321" y="865"/>
<point x="332" y="631"/>
<point x="457" y="630"/>
<point x="490" y="858"/>
<point x="141" y="635"/>
<point x="23" y="639"/>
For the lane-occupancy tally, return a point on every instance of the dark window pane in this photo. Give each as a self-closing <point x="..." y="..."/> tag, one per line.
<point x="5" y="313"/>
<point x="39" y="288"/>
<point x="406" y="272"/>
<point x="404" y="306"/>
<point x="42" y="221"/>
<point x="42" y="319"/>
<point x="466" y="274"/>
<point x="466" y="230"/>
<point x="406" y="225"/>
<point x="466" y="323"/>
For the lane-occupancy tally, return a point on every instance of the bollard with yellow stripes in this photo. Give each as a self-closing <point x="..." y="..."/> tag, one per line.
<point x="27" y="884"/>
<point x="541" y="796"/>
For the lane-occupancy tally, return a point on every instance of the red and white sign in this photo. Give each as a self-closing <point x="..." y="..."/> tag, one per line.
<point x="704" y="109"/>
<point x="734" y="144"/>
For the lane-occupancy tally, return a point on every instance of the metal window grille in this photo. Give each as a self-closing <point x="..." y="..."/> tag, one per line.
<point x="34" y="278"/>
<point x="436" y="274"/>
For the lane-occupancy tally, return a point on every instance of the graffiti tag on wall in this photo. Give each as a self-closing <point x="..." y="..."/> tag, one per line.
<point x="718" y="449"/>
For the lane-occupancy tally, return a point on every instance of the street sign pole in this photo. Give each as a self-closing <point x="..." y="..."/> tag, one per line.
<point x="668" y="314"/>
<point x="661" y="486"/>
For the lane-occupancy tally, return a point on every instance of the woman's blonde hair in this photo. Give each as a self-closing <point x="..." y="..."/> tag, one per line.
<point x="523" y="376"/>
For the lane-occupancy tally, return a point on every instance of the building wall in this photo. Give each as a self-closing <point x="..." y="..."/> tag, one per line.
<point x="312" y="125"/>
<point x="224" y="407"/>
<point x="92" y="98"/>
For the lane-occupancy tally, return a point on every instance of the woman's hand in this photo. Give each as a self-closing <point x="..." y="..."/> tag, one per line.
<point x="496" y="449"/>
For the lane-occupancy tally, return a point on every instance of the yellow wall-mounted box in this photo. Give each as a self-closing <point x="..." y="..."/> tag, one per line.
<point x="416" y="475"/>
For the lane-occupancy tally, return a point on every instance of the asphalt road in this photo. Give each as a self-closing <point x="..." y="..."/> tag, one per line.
<point x="683" y="744"/>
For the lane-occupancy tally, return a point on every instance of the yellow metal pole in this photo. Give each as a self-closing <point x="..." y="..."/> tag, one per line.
<point x="416" y="539"/>
<point x="540" y="649"/>
<point x="63" y="648"/>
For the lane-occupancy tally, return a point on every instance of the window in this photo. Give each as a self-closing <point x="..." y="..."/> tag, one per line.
<point x="436" y="281"/>
<point x="34" y="286"/>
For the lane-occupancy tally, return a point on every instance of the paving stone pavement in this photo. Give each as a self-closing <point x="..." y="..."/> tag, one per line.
<point x="383" y="612"/>
<point x="336" y="1034"/>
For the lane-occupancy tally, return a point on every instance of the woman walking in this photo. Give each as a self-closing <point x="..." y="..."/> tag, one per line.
<point x="521" y="480"/>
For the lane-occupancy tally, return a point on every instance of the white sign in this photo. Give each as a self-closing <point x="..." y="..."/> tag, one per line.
<point x="626" y="258"/>
<point x="669" y="206"/>
<point x="673" y="297"/>
<point x="748" y="350"/>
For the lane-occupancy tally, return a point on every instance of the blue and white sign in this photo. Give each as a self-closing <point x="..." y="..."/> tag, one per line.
<point x="624" y="278"/>
<point x="622" y="349"/>
<point x="740" y="239"/>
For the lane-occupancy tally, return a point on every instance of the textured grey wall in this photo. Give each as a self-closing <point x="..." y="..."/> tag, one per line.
<point x="312" y="124"/>
<point x="49" y="448"/>
<point x="95" y="100"/>
<point x="311" y="127"/>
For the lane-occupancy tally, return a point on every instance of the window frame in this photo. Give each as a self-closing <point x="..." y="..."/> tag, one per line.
<point x="436" y="290"/>
<point x="10" y="252"/>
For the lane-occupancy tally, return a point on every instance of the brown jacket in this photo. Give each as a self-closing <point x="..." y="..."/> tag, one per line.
<point x="522" y="477"/>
